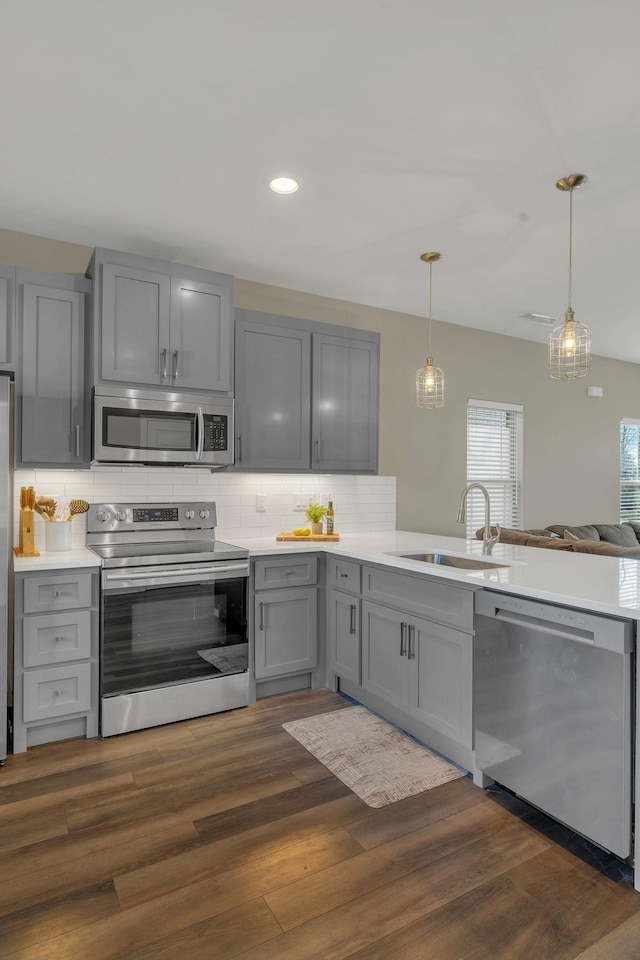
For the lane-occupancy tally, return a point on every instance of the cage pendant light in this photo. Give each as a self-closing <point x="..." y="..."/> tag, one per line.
<point x="570" y="341"/>
<point x="430" y="379"/>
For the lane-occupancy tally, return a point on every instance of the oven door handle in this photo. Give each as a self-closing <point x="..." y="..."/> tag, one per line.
<point x="157" y="576"/>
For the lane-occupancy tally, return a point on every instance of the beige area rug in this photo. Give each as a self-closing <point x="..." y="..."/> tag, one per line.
<point x="376" y="760"/>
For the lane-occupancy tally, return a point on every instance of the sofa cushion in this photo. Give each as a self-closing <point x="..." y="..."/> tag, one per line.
<point x="586" y="532"/>
<point x="622" y="534"/>
<point x="541" y="532"/>
<point x="602" y="548"/>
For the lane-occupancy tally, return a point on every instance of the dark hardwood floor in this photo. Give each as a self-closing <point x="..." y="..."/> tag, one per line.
<point x="222" y="837"/>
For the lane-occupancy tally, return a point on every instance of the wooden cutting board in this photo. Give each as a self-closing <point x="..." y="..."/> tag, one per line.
<point x="312" y="536"/>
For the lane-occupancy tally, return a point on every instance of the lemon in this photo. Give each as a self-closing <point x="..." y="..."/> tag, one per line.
<point x="301" y="532"/>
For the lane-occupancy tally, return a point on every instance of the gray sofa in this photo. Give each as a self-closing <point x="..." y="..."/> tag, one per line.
<point x="607" y="539"/>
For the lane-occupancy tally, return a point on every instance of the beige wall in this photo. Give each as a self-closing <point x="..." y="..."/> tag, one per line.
<point x="570" y="440"/>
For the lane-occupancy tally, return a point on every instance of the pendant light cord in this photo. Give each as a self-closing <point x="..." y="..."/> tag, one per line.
<point x="570" y="239"/>
<point x="430" y="276"/>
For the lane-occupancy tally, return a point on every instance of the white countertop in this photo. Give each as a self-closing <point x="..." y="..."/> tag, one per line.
<point x="601" y="584"/>
<point x="56" y="560"/>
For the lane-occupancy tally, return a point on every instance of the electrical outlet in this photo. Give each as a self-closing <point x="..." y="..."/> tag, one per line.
<point x="300" y="501"/>
<point x="261" y="503"/>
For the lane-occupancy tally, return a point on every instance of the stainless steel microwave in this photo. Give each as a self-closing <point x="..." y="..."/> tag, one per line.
<point x="176" y="429"/>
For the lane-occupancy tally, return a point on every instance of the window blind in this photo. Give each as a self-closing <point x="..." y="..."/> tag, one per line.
<point x="629" y="472"/>
<point x="494" y="459"/>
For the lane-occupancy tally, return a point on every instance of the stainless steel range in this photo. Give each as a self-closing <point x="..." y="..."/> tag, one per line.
<point x="173" y="639"/>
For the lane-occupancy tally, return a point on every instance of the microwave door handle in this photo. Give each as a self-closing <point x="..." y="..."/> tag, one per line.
<point x="199" y="433"/>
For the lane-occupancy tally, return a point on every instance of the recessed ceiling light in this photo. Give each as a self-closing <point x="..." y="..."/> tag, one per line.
<point x="284" y="185"/>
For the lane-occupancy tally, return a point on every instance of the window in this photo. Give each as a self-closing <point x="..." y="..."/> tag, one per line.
<point x="494" y="459"/>
<point x="629" y="473"/>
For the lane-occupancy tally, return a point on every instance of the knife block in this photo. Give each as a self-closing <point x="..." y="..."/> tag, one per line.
<point x="26" y="544"/>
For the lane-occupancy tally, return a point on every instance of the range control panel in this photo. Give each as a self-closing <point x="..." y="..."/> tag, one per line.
<point x="131" y="517"/>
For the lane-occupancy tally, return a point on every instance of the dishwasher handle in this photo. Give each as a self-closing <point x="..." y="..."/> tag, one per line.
<point x="542" y="626"/>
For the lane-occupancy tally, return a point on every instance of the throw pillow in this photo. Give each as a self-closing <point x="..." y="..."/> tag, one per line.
<point x="622" y="534"/>
<point x="571" y="536"/>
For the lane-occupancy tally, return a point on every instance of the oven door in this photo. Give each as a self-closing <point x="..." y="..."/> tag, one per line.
<point x="178" y="430"/>
<point x="172" y="624"/>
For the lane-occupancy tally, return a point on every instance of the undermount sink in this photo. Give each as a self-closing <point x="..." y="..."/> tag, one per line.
<point x="448" y="560"/>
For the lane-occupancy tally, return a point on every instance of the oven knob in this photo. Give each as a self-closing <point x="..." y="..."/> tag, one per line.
<point x="102" y="516"/>
<point x="120" y="515"/>
<point x="189" y="514"/>
<point x="204" y="514"/>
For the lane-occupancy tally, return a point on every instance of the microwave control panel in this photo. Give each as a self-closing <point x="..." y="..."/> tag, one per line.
<point x="216" y="429"/>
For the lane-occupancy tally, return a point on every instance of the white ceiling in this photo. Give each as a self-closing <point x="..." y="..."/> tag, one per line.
<point x="154" y="125"/>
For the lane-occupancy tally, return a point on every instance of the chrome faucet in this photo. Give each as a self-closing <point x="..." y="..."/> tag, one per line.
<point x="487" y="539"/>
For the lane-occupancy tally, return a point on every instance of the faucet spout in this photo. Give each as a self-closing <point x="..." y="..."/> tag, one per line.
<point x="488" y="540"/>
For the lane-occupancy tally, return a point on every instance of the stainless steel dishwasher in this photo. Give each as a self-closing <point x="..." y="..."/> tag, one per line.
<point x="552" y="712"/>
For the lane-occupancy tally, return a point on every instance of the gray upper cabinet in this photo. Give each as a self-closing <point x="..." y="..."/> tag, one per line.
<point x="306" y="395"/>
<point x="161" y="324"/>
<point x="345" y="404"/>
<point x="51" y="401"/>
<point x="273" y="396"/>
<point x="7" y="317"/>
<point x="134" y="336"/>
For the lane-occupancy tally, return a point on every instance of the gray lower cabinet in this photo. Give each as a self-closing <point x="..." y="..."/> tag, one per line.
<point x="285" y="617"/>
<point x="52" y="405"/>
<point x="306" y="395"/>
<point x="343" y="635"/>
<point x="7" y="317"/>
<point x="415" y="645"/>
<point x="420" y="667"/>
<point x="55" y="657"/>
<point x="161" y="324"/>
<point x="343" y="619"/>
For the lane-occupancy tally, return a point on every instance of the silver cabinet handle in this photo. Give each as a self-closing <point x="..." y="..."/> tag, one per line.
<point x="412" y="642"/>
<point x="344" y="575"/>
<point x="261" y="608"/>
<point x="239" y="448"/>
<point x="175" y="364"/>
<point x="58" y="693"/>
<point x="77" y="439"/>
<point x="163" y="364"/>
<point x="352" y="620"/>
<point x="59" y="639"/>
<point x="316" y="450"/>
<point x="403" y="639"/>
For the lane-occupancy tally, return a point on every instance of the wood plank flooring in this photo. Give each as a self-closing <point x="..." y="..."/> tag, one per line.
<point x="222" y="837"/>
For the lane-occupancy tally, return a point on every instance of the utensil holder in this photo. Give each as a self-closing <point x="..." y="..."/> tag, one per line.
<point x="57" y="535"/>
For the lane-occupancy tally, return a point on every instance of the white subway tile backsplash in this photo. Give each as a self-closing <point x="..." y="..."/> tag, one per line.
<point x="362" y="504"/>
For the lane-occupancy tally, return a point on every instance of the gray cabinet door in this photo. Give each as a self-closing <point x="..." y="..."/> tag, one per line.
<point x="273" y="396"/>
<point x="201" y="335"/>
<point x="51" y="382"/>
<point x="385" y="665"/>
<point x="134" y="337"/>
<point x="7" y="317"/>
<point x="441" y="679"/>
<point x="285" y="631"/>
<point x="343" y="635"/>
<point x="345" y="404"/>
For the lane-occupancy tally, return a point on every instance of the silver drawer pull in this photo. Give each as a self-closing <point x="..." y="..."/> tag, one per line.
<point x="403" y="638"/>
<point x="412" y="642"/>
<point x="344" y="575"/>
<point x="58" y="693"/>
<point x="59" y="639"/>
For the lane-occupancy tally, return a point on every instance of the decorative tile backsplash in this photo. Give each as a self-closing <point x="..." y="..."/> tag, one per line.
<point x="362" y="504"/>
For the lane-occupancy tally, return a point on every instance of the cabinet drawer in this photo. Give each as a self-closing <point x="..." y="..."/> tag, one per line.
<point x="344" y="574"/>
<point x="57" y="593"/>
<point x="285" y="572"/>
<point x="56" y="691"/>
<point x="434" y="600"/>
<point x="56" y="638"/>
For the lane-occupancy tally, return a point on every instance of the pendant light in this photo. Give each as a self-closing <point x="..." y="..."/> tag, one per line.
<point x="570" y="341"/>
<point x="430" y="379"/>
